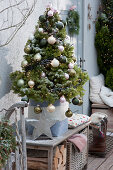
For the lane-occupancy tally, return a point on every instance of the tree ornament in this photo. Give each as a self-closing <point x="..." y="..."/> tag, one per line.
<point x="50" y="13"/>
<point x="31" y="37"/>
<point x="31" y="83"/>
<point x="80" y="102"/>
<point x="43" y="74"/>
<point x="25" y="98"/>
<point x="37" y="57"/>
<point x="68" y="113"/>
<point x="61" y="48"/>
<point x="75" y="101"/>
<point x="71" y="65"/>
<point x="66" y="76"/>
<point x="37" y="109"/>
<point x="62" y="99"/>
<point x="41" y="30"/>
<point x="51" y="40"/>
<point x="51" y="108"/>
<point x="27" y="49"/>
<point x="24" y="63"/>
<point x="42" y="18"/>
<point x="55" y="62"/>
<point x="74" y="58"/>
<point x="59" y="25"/>
<point x="20" y="82"/>
<point x="63" y="59"/>
<point x="72" y="72"/>
<point x="43" y="42"/>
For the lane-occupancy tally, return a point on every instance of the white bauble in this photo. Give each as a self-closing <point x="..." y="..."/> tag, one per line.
<point x="61" y="48"/>
<point x="62" y="99"/>
<point x="31" y="37"/>
<point x="66" y="76"/>
<point x="40" y="30"/>
<point x="43" y="74"/>
<point x="71" y="65"/>
<point x="51" y="40"/>
<point x="50" y="13"/>
<point x="24" y="63"/>
<point x="37" y="57"/>
<point x="55" y="62"/>
<point x="51" y="108"/>
<point x="31" y="83"/>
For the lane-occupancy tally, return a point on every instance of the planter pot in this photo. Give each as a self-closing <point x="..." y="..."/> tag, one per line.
<point x="61" y="126"/>
<point x="58" y="114"/>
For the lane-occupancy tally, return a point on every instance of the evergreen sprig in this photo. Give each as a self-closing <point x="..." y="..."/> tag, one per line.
<point x="7" y="141"/>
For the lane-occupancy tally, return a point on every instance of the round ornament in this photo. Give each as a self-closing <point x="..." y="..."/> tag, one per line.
<point x="42" y="18"/>
<point x="72" y="72"/>
<point x="63" y="59"/>
<point x="68" y="113"/>
<point x="71" y="65"/>
<point x="80" y="102"/>
<point x="66" y="76"/>
<point x="37" y="109"/>
<point x="37" y="57"/>
<point x="59" y="25"/>
<point x="25" y="98"/>
<point x="31" y="37"/>
<point x="75" y="101"/>
<point x="24" y="63"/>
<point x="62" y="99"/>
<point x="27" y="49"/>
<point x="74" y="59"/>
<point x="40" y="30"/>
<point x="51" y="108"/>
<point x="31" y="83"/>
<point x="43" y="74"/>
<point x="50" y="13"/>
<point x="55" y="62"/>
<point x="51" y="40"/>
<point x="43" y="42"/>
<point x="20" y="82"/>
<point x="61" y="48"/>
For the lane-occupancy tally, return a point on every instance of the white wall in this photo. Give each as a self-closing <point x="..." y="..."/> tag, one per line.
<point x="89" y="51"/>
<point x="12" y="54"/>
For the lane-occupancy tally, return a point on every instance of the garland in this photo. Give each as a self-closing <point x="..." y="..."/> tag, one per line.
<point x="73" y="21"/>
<point x="7" y="141"/>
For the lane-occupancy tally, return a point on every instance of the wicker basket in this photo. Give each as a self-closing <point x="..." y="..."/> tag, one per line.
<point x="77" y="160"/>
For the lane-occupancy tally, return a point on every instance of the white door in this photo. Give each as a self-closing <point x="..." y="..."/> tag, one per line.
<point x="77" y="40"/>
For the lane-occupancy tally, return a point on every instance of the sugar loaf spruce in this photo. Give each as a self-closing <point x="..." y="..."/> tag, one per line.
<point x="49" y="72"/>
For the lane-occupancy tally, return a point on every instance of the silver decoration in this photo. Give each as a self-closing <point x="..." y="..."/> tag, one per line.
<point x="42" y="127"/>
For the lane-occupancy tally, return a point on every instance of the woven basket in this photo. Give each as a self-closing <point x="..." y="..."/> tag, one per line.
<point x="77" y="160"/>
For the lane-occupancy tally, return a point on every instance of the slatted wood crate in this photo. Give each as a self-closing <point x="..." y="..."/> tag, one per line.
<point x="38" y="159"/>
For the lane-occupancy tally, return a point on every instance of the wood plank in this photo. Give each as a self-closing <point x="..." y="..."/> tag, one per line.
<point x="90" y="159"/>
<point x="95" y="163"/>
<point x="107" y="164"/>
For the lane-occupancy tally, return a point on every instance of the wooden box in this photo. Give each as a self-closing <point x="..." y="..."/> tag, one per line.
<point x="38" y="159"/>
<point x="108" y="111"/>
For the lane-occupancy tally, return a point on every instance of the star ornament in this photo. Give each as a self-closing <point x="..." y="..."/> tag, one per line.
<point x="42" y="126"/>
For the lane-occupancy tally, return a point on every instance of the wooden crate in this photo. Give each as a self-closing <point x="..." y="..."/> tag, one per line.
<point x="108" y="111"/>
<point x="38" y="159"/>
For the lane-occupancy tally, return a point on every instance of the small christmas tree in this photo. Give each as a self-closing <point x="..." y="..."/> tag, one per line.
<point x="49" y="72"/>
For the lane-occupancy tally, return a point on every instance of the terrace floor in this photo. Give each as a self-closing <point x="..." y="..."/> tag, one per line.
<point x="96" y="163"/>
